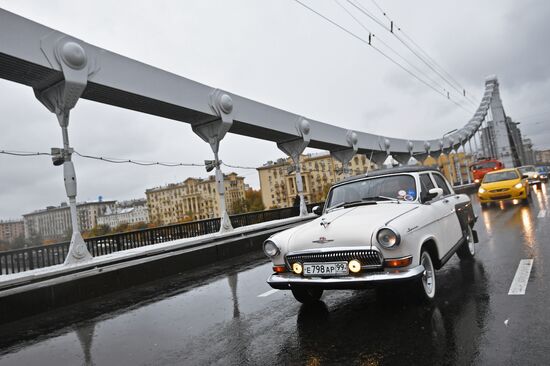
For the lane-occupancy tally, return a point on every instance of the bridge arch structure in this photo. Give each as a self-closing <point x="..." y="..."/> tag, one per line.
<point x="61" y="69"/>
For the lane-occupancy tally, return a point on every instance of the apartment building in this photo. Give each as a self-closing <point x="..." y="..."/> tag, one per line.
<point x="11" y="230"/>
<point x="459" y="165"/>
<point x="127" y="212"/>
<point x="319" y="172"/>
<point x="54" y="222"/>
<point x="192" y="199"/>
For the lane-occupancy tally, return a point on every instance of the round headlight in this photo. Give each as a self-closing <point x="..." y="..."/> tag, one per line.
<point x="481" y="190"/>
<point x="270" y="249"/>
<point x="387" y="238"/>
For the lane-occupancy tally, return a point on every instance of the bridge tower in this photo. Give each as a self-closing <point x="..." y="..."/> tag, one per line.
<point x="500" y="135"/>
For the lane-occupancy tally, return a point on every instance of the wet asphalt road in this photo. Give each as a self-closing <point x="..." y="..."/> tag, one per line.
<point x="217" y="316"/>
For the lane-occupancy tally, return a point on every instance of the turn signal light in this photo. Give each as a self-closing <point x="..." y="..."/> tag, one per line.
<point x="398" y="262"/>
<point x="279" y="269"/>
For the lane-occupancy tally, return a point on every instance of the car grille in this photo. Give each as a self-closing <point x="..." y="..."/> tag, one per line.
<point x="367" y="257"/>
<point x="502" y="197"/>
<point x="499" y="190"/>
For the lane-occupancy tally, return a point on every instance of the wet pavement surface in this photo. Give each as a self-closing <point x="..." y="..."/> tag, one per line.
<point x="227" y="315"/>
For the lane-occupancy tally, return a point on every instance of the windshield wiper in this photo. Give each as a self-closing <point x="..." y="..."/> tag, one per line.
<point x="351" y="204"/>
<point x="341" y="204"/>
<point x="378" y="198"/>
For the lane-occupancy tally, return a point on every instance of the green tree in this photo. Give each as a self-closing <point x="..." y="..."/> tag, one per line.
<point x="253" y="200"/>
<point x="18" y="242"/>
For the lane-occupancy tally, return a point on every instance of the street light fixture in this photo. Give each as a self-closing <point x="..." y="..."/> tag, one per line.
<point x="449" y="154"/>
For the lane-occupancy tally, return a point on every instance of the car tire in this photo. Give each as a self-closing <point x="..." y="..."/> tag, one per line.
<point x="307" y="295"/>
<point x="426" y="285"/>
<point x="468" y="249"/>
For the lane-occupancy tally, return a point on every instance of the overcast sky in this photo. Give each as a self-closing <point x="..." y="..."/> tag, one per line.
<point x="276" y="52"/>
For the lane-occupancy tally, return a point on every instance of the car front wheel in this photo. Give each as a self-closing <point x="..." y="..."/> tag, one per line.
<point x="307" y="295"/>
<point x="427" y="283"/>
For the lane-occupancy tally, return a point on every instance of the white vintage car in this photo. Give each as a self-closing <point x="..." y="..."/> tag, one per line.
<point x="391" y="225"/>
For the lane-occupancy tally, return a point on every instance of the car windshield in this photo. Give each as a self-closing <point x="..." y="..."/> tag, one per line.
<point x="525" y="169"/>
<point x="486" y="165"/>
<point x="393" y="187"/>
<point x="500" y="176"/>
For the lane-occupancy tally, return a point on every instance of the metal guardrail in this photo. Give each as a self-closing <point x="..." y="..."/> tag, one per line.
<point x="20" y="260"/>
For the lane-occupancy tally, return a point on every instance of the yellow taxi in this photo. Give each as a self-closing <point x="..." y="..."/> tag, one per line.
<point x="503" y="185"/>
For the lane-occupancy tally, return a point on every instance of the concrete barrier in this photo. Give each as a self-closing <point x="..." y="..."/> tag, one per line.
<point x="33" y="292"/>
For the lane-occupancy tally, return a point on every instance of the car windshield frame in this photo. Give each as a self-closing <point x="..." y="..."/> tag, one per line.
<point x="363" y="196"/>
<point x="488" y="177"/>
<point x="527" y="169"/>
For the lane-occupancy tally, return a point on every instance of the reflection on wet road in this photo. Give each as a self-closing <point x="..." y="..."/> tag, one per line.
<point x="227" y="315"/>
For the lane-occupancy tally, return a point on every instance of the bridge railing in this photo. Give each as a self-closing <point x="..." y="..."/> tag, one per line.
<point x="20" y="260"/>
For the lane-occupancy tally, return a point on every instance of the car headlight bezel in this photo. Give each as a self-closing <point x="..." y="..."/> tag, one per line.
<point x="270" y="248"/>
<point x="387" y="243"/>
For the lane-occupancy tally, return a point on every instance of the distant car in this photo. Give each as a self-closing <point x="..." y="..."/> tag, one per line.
<point x="543" y="173"/>
<point x="389" y="226"/>
<point x="531" y="172"/>
<point x="504" y="185"/>
<point x="484" y="166"/>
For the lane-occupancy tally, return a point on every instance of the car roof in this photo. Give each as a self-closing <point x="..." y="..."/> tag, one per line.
<point x="398" y="170"/>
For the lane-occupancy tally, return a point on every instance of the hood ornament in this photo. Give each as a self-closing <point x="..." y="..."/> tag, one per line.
<point x="322" y="240"/>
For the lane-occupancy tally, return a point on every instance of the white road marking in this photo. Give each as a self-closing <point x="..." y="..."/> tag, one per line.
<point x="519" y="284"/>
<point x="542" y="213"/>
<point x="267" y="293"/>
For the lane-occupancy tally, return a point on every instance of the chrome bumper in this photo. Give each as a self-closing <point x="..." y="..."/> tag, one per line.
<point x="285" y="281"/>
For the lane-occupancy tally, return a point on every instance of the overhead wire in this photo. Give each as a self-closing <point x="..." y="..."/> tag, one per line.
<point x="363" y="10"/>
<point x="383" y="54"/>
<point x="147" y="163"/>
<point x="430" y="60"/>
<point x="388" y="46"/>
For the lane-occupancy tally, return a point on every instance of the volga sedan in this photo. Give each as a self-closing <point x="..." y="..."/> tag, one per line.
<point x="504" y="185"/>
<point x="388" y="226"/>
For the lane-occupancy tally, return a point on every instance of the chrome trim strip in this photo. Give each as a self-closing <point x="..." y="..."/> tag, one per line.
<point x="401" y="214"/>
<point x="286" y="280"/>
<point x="333" y="249"/>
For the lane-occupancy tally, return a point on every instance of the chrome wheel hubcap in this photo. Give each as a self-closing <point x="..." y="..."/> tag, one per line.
<point x="471" y="244"/>
<point x="428" y="280"/>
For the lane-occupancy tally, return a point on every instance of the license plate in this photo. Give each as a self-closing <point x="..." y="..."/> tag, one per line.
<point x="326" y="269"/>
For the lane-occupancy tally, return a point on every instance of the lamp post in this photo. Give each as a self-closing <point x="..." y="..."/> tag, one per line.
<point x="450" y="150"/>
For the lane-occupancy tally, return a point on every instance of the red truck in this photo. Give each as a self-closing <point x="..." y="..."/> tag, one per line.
<point x="482" y="167"/>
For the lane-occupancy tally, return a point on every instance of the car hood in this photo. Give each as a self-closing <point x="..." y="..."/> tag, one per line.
<point x="353" y="226"/>
<point x="501" y="184"/>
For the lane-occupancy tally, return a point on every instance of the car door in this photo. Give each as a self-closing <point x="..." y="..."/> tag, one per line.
<point x="432" y="212"/>
<point x="448" y="220"/>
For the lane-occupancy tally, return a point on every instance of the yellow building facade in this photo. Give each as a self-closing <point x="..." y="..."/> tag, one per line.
<point x="319" y="172"/>
<point x="459" y="165"/>
<point x="193" y="199"/>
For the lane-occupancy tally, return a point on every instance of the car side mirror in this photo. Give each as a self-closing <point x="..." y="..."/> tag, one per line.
<point x="434" y="193"/>
<point x="317" y="210"/>
<point x="524" y="176"/>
